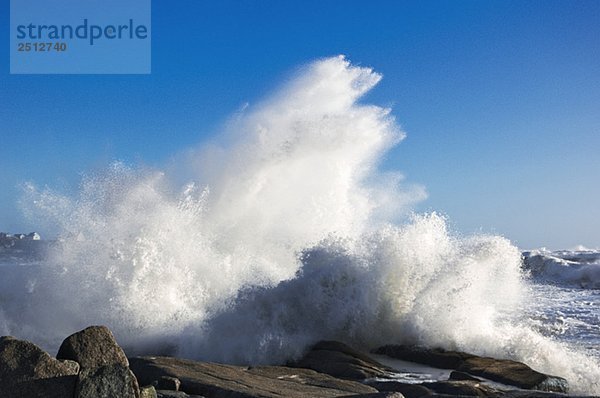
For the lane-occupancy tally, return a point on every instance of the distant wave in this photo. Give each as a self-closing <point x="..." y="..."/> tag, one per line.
<point x="578" y="268"/>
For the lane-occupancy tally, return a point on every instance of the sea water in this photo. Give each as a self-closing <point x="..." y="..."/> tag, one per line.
<point x="565" y="291"/>
<point x="282" y="232"/>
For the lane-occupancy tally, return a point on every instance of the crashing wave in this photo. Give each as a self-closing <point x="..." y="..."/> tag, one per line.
<point x="284" y="233"/>
<point x="576" y="268"/>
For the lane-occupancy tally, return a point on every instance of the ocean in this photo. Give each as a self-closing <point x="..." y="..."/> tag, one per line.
<point x="282" y="232"/>
<point x="565" y="291"/>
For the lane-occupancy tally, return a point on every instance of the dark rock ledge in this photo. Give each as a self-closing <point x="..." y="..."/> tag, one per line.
<point x="500" y="370"/>
<point x="228" y="381"/>
<point x="90" y="363"/>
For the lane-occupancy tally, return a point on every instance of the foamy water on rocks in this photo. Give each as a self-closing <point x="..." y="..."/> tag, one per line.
<point x="284" y="232"/>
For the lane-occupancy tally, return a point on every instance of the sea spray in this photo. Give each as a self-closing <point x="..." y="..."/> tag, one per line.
<point x="411" y="284"/>
<point x="283" y="234"/>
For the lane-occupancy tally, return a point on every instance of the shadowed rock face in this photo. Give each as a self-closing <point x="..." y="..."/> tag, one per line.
<point x="458" y="388"/>
<point x="168" y="383"/>
<point x="436" y="357"/>
<point x="456" y="375"/>
<point x="501" y="370"/>
<point x="216" y="380"/>
<point x="107" y="381"/>
<point x="339" y="360"/>
<point x="28" y="371"/>
<point x="104" y="366"/>
<point x="174" y="394"/>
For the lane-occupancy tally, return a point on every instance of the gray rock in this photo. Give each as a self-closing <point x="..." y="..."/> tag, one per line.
<point x="104" y="366"/>
<point x="148" y="392"/>
<point x="378" y="395"/>
<point x="339" y="360"/>
<point x="171" y="394"/>
<point x="408" y="390"/>
<point x="436" y="357"/>
<point x="541" y="394"/>
<point x="225" y="381"/>
<point x="168" y="383"/>
<point x="107" y="381"/>
<point x="175" y="394"/>
<point x="93" y="347"/>
<point x="464" y="388"/>
<point x="514" y="373"/>
<point x="29" y="372"/>
<point x="501" y="370"/>
<point x="456" y="375"/>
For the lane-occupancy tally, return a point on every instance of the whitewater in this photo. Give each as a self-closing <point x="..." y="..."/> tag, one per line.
<point x="281" y="232"/>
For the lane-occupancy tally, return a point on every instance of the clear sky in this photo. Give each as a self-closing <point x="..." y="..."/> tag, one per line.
<point x="500" y="101"/>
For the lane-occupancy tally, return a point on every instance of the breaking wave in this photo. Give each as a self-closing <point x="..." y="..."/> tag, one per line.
<point x="579" y="268"/>
<point x="285" y="233"/>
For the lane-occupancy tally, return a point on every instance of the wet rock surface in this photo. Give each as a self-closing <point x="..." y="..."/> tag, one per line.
<point x="499" y="370"/>
<point x="514" y="373"/>
<point x="435" y="357"/>
<point x="340" y="360"/>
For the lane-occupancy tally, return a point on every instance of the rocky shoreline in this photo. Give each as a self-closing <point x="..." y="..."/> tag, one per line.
<point x="90" y="364"/>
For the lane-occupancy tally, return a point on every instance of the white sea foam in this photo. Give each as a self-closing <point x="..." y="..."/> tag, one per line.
<point x="286" y="233"/>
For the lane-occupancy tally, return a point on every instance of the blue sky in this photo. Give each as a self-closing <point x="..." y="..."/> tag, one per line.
<point x="500" y="101"/>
